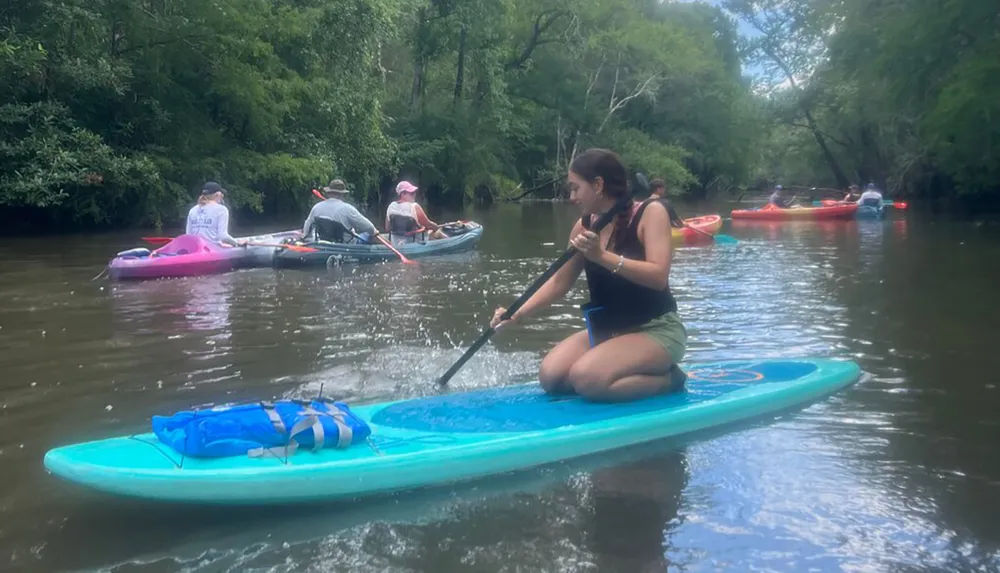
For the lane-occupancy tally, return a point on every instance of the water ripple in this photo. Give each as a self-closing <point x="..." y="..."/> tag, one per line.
<point x="892" y="474"/>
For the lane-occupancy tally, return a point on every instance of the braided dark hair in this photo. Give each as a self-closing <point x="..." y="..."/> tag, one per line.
<point x="607" y="165"/>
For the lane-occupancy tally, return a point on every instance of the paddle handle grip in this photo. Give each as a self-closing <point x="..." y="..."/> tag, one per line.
<point x="568" y="254"/>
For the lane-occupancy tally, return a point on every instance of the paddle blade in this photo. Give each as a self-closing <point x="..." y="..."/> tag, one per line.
<point x="157" y="240"/>
<point x="725" y="240"/>
<point x="401" y="256"/>
<point x="318" y="195"/>
<point x="900" y="204"/>
<point x="290" y="247"/>
<point x="298" y="249"/>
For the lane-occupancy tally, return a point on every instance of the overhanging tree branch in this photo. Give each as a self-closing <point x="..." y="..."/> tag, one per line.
<point x="825" y="133"/>
<point x="543" y="22"/>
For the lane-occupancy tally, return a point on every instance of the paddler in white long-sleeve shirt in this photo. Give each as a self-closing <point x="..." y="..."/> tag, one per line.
<point x="209" y="219"/>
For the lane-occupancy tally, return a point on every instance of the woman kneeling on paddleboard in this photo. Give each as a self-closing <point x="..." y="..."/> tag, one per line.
<point x="634" y="337"/>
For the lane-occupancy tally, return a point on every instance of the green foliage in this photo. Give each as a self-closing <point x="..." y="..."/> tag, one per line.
<point x="642" y="153"/>
<point x="153" y="98"/>
<point x="48" y="161"/>
<point x="906" y="92"/>
<point x="117" y="111"/>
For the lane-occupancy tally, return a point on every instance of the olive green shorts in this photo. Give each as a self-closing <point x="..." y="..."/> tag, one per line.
<point x="669" y="332"/>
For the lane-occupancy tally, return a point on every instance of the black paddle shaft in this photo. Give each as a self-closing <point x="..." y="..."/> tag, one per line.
<point x="568" y="254"/>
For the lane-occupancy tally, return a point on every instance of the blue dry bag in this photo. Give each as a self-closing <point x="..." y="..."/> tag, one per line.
<point x="262" y="428"/>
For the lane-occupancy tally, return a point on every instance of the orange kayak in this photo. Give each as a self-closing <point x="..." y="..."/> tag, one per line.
<point x="708" y="224"/>
<point x="772" y="213"/>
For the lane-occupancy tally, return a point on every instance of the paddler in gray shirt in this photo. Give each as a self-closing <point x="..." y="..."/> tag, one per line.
<point x="335" y="208"/>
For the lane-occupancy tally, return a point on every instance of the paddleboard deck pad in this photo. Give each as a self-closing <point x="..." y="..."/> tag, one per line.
<point x="445" y="438"/>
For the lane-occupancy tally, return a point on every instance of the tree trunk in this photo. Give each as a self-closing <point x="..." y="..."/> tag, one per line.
<point x="418" y="83"/>
<point x="460" y="74"/>
<point x="419" y="64"/>
<point x="838" y="173"/>
<point x="872" y="160"/>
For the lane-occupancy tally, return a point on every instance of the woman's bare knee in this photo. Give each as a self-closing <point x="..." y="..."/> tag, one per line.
<point x="588" y="380"/>
<point x="552" y="374"/>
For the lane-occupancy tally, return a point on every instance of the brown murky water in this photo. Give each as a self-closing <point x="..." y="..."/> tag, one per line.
<point x="898" y="472"/>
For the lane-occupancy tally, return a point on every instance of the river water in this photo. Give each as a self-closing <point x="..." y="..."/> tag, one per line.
<point x="896" y="473"/>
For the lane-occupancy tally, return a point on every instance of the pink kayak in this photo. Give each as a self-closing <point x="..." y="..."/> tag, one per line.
<point x="190" y="255"/>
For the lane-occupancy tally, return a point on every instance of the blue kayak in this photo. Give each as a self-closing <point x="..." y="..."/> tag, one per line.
<point x="434" y="440"/>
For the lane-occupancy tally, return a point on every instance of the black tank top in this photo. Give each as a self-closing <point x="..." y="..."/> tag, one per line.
<point x="625" y="304"/>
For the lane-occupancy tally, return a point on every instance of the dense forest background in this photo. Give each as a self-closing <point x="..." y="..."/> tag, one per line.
<point x="113" y="112"/>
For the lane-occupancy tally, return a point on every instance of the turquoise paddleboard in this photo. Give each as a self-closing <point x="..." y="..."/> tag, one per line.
<point x="438" y="439"/>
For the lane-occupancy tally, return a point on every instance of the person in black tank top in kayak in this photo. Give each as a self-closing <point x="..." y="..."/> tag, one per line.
<point x="634" y="337"/>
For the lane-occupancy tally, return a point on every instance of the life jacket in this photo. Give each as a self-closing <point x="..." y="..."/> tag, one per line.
<point x="403" y="223"/>
<point x="261" y="428"/>
<point x="616" y="303"/>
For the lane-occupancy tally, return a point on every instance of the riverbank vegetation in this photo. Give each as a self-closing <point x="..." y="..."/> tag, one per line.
<point x="113" y="112"/>
<point x="902" y="93"/>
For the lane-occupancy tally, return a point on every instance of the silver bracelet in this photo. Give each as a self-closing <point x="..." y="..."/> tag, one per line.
<point x="621" y="263"/>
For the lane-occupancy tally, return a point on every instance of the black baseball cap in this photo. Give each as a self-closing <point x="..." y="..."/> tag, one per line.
<point x="211" y="188"/>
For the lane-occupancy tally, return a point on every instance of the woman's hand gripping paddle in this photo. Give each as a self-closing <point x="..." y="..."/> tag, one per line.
<point x="568" y="254"/>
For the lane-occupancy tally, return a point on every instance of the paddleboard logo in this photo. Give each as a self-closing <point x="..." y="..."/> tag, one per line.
<point x="717" y="375"/>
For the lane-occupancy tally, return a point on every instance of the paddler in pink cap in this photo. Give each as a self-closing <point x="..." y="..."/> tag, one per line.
<point x="405" y="218"/>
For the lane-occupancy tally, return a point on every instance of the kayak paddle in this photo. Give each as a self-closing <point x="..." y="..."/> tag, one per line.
<point x="885" y="203"/>
<point x="564" y="258"/>
<point x="721" y="239"/>
<point x="157" y="240"/>
<point x="296" y="248"/>
<point x="402" y="257"/>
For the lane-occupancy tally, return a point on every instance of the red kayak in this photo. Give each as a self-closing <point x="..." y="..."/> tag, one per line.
<point x="771" y="213"/>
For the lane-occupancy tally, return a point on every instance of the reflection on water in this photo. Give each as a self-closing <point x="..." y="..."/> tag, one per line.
<point x="633" y="510"/>
<point x="891" y="474"/>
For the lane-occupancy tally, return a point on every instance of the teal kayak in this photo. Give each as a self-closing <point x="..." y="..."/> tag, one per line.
<point x="429" y="441"/>
<point x="327" y="254"/>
